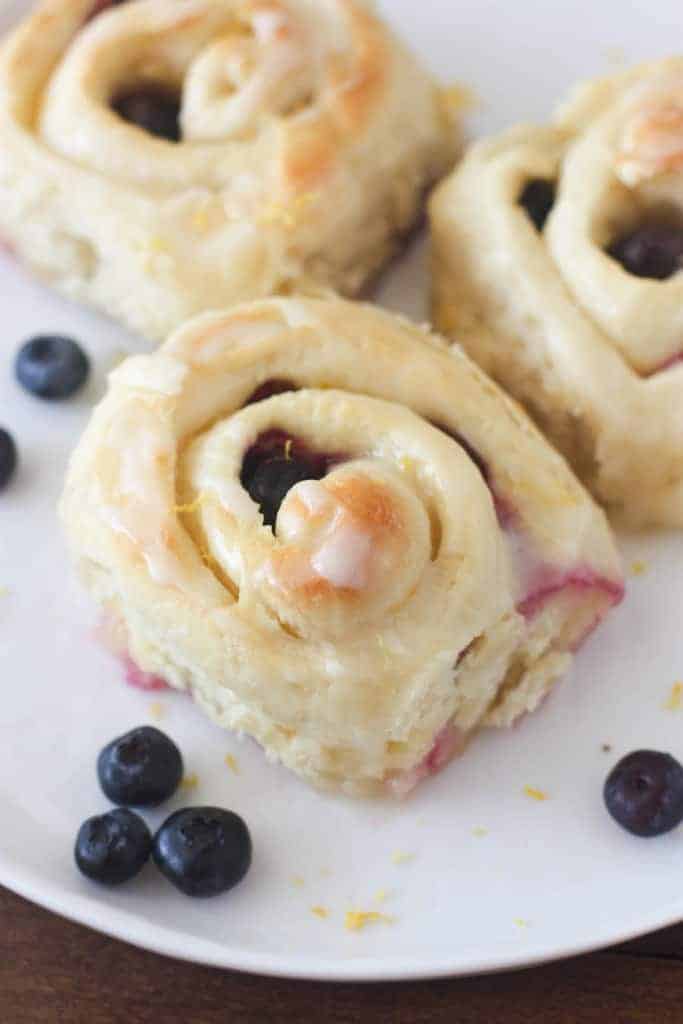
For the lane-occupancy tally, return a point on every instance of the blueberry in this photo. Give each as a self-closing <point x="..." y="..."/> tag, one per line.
<point x="644" y="793"/>
<point x="51" y="366"/>
<point x="276" y="386"/>
<point x="653" y="251"/>
<point x="112" y="848"/>
<point x="203" y="851"/>
<point x="153" y="108"/>
<point x="8" y="457"/>
<point x="274" y="464"/>
<point x="142" y="768"/>
<point x="271" y="482"/>
<point x="538" y="199"/>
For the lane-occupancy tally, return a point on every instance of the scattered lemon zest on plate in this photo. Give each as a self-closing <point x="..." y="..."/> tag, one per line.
<point x="521" y="923"/>
<point x="190" y="781"/>
<point x="479" y="831"/>
<point x="298" y="881"/>
<point x="232" y="764"/>
<point x="638" y="568"/>
<point x="399" y="857"/>
<point x="356" y="920"/>
<point x="157" y="710"/>
<point x="674" y="701"/>
<point x="535" y="794"/>
<point x="325" y="873"/>
<point x="321" y="912"/>
<point x="381" y="896"/>
<point x="4" y="591"/>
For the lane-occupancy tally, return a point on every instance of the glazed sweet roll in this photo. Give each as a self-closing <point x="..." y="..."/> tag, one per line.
<point x="159" y="158"/>
<point x="338" y="535"/>
<point x="558" y="258"/>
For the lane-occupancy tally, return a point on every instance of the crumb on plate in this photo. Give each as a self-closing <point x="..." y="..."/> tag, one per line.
<point x="638" y="568"/>
<point x="232" y="764"/>
<point x="321" y="912"/>
<point x="190" y="781"/>
<point x="298" y="881"/>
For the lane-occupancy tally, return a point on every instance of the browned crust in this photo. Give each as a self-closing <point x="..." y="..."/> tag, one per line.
<point x="353" y="92"/>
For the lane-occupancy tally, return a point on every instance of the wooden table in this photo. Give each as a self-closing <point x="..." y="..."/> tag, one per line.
<point x="55" y="972"/>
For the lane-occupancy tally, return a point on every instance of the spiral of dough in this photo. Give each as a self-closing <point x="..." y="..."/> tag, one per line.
<point x="303" y="138"/>
<point x="593" y="347"/>
<point x="428" y="561"/>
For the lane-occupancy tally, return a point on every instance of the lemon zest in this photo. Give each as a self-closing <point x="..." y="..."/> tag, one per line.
<point x="535" y="794"/>
<point x="356" y="920"/>
<point x="458" y="98"/>
<point x="192" y="506"/>
<point x="287" y="216"/>
<point x="674" y="701"/>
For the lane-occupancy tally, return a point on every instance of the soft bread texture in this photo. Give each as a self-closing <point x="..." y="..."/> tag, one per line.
<point x="592" y="351"/>
<point x="436" y="578"/>
<point x="309" y="135"/>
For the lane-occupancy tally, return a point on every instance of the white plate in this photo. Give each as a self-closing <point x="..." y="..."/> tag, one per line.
<point x="547" y="879"/>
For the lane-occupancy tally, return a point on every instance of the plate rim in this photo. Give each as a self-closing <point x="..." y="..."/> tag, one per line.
<point x="125" y="926"/>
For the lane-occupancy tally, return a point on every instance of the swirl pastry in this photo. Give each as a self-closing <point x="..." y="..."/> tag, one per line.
<point x="338" y="535"/>
<point x="558" y="258"/>
<point x="159" y="158"/>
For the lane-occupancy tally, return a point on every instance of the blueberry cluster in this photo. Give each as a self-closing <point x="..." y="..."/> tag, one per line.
<point x="203" y="851"/>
